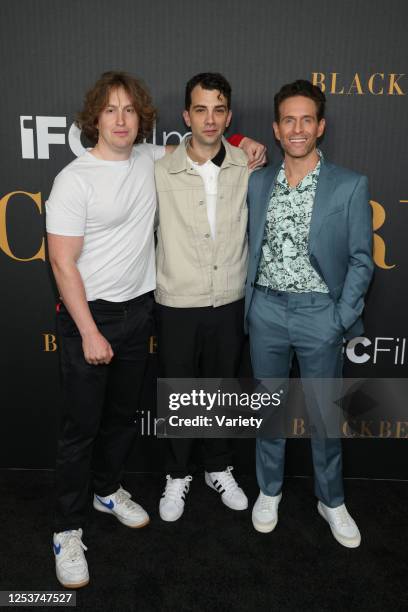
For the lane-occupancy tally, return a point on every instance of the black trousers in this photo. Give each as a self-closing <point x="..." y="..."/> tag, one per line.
<point x="202" y="342"/>
<point x="100" y="403"/>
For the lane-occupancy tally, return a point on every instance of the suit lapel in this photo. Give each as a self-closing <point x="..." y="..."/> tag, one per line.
<point x="324" y="189"/>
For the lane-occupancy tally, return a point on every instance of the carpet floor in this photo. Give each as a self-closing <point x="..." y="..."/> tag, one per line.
<point x="212" y="558"/>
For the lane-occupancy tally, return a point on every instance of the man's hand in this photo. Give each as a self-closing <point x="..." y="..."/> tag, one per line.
<point x="64" y="252"/>
<point x="255" y="151"/>
<point x="97" y="349"/>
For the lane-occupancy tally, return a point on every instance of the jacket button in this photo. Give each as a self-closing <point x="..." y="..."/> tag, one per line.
<point x="201" y="202"/>
<point x="206" y="235"/>
<point x="215" y="267"/>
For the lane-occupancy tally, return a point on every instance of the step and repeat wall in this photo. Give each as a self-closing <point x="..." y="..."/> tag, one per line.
<point x="355" y="50"/>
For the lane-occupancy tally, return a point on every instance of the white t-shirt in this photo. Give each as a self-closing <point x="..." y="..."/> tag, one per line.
<point x="209" y="173"/>
<point x="112" y="205"/>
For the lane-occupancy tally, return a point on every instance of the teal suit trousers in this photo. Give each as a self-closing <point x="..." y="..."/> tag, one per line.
<point x="283" y="324"/>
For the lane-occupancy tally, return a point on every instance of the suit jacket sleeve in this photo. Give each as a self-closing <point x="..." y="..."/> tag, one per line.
<point x="360" y="269"/>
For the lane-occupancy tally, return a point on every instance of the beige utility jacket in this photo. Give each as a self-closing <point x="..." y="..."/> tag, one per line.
<point x="194" y="270"/>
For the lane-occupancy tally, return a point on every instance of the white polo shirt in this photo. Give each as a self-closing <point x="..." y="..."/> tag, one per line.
<point x="209" y="173"/>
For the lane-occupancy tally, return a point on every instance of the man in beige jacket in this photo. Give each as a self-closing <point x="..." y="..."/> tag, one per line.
<point x="201" y="270"/>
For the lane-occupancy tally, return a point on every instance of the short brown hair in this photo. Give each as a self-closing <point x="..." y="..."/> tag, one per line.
<point x="97" y="98"/>
<point x="209" y="81"/>
<point x="304" y="88"/>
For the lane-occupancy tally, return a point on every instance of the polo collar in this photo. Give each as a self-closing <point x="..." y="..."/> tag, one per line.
<point x="179" y="162"/>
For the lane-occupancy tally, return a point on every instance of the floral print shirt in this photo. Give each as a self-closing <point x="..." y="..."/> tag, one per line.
<point x="284" y="264"/>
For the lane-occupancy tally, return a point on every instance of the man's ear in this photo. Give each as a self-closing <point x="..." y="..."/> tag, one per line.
<point x="321" y="127"/>
<point x="275" y="126"/>
<point x="186" y="117"/>
<point x="229" y="117"/>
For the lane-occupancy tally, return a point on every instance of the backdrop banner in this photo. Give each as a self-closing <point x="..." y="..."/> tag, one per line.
<point x="356" y="51"/>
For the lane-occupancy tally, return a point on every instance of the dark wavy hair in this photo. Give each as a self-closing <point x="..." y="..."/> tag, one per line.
<point x="301" y="88"/>
<point x="97" y="98"/>
<point x="210" y="81"/>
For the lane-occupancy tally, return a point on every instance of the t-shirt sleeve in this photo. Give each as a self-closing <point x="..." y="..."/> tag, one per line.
<point x="155" y="152"/>
<point x="66" y="208"/>
<point x="159" y="152"/>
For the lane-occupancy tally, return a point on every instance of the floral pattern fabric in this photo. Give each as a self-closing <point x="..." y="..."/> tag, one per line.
<point x="284" y="263"/>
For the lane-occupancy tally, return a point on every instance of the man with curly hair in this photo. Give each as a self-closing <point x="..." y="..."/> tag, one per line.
<point x="100" y="216"/>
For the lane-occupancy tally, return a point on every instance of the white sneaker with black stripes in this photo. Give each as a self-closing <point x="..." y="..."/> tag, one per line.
<point x="231" y="494"/>
<point x="171" y="505"/>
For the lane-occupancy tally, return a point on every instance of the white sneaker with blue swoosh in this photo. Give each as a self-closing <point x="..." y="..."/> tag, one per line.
<point x="70" y="563"/>
<point x="121" y="505"/>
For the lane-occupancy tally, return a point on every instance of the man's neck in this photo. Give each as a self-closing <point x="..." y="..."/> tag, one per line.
<point x="297" y="168"/>
<point x="102" y="152"/>
<point x="201" y="153"/>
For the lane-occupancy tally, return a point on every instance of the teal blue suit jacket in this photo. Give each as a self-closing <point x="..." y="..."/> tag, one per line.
<point x="340" y="238"/>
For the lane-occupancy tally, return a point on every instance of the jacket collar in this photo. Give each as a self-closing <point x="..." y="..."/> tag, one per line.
<point x="323" y="182"/>
<point x="322" y="196"/>
<point x="179" y="162"/>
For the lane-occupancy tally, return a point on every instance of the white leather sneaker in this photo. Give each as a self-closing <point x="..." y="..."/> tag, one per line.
<point x="231" y="494"/>
<point x="121" y="505"/>
<point x="343" y="527"/>
<point x="171" y="505"/>
<point x="70" y="563"/>
<point x="265" y="512"/>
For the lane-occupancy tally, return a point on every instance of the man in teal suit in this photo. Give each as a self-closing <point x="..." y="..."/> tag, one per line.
<point x="310" y="264"/>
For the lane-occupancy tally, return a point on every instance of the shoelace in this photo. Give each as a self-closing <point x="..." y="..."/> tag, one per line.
<point x="266" y="504"/>
<point x="124" y="497"/>
<point x="175" y="487"/>
<point x="340" y="516"/>
<point x="227" y="480"/>
<point x="71" y="545"/>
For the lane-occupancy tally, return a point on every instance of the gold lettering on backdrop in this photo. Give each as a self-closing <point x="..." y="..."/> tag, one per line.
<point x="385" y="429"/>
<point x="371" y="84"/>
<point x="365" y="431"/>
<point x="394" y="78"/>
<point x="318" y="79"/>
<point x="401" y="431"/>
<point x="375" y="429"/>
<point x="298" y="427"/>
<point x="356" y="84"/>
<point x="334" y="83"/>
<point x="347" y="431"/>
<point x="152" y="344"/>
<point x="379" y="244"/>
<point x="4" y="243"/>
<point x="376" y="84"/>
<point x="50" y="343"/>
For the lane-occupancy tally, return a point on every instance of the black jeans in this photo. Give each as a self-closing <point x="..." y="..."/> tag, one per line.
<point x="201" y="342"/>
<point x="100" y="403"/>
